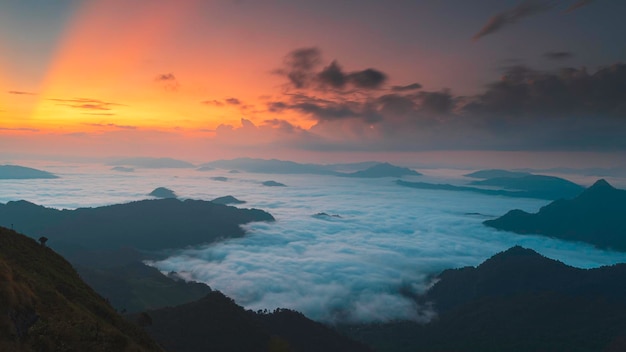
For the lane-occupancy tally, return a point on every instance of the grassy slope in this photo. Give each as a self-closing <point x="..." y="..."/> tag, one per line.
<point x="37" y="285"/>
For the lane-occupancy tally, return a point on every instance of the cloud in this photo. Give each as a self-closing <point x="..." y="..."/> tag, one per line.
<point x="232" y="101"/>
<point x="111" y="125"/>
<point x="18" y="92"/>
<point x="558" y="55"/>
<point x="212" y="102"/>
<point x="578" y="4"/>
<point x="168" y="81"/>
<point x="365" y="266"/>
<point x="19" y="129"/>
<point x="500" y="20"/>
<point x="301" y="67"/>
<point x="87" y="104"/>
<point x="408" y="87"/>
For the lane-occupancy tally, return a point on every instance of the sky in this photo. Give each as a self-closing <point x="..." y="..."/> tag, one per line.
<point x="315" y="80"/>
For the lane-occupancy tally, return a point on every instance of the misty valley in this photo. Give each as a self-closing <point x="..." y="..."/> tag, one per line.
<point x="341" y="257"/>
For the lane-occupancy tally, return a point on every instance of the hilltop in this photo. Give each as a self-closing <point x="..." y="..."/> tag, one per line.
<point x="47" y="307"/>
<point x="596" y="216"/>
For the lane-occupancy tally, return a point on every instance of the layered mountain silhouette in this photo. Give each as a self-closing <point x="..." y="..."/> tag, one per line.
<point x="148" y="224"/>
<point x="518" y="185"/>
<point x="275" y="166"/>
<point x="495" y="173"/>
<point x="163" y="192"/>
<point x="22" y="172"/>
<point x="47" y="307"/>
<point x="217" y="323"/>
<point x="383" y="170"/>
<point x="227" y="200"/>
<point x="596" y="216"/>
<point x="517" y="300"/>
<point x="153" y="163"/>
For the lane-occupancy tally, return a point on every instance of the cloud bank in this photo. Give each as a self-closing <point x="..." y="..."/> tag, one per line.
<point x="367" y="265"/>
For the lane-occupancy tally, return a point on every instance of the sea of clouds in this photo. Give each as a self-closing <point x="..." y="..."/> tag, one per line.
<point x="363" y="265"/>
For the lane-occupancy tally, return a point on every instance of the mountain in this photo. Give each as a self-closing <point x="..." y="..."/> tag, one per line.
<point x="135" y="287"/>
<point x="162" y="192"/>
<point x="272" y="166"/>
<point x="596" y="216"/>
<point x="535" y="186"/>
<point x="383" y="170"/>
<point x="531" y="187"/>
<point x="517" y="300"/>
<point x="47" y="307"/>
<point x="494" y="173"/>
<point x="153" y="163"/>
<point x="146" y="225"/>
<point x="21" y="172"/>
<point x="273" y="184"/>
<point x="227" y="200"/>
<point x="216" y="323"/>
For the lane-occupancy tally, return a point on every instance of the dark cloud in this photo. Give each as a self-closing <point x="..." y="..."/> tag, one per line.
<point x="166" y="77"/>
<point x="438" y="103"/>
<point x="578" y="4"/>
<point x="500" y="20"/>
<point x="277" y="106"/>
<point x="333" y="76"/>
<point x="408" y="87"/>
<point x="232" y="101"/>
<point x="227" y="101"/>
<point x="301" y="67"/>
<point x="558" y="55"/>
<point x="168" y="81"/>
<point x="87" y="104"/>
<point x="571" y="91"/>
<point x="367" y="79"/>
<point x="18" y="92"/>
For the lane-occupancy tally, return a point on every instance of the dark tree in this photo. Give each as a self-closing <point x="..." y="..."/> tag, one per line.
<point x="43" y="240"/>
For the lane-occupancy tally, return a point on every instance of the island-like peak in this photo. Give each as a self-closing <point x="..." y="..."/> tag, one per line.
<point x="601" y="184"/>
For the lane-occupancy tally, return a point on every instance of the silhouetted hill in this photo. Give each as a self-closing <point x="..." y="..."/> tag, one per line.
<point x="122" y="169"/>
<point x="226" y="200"/>
<point x="533" y="191"/>
<point x="153" y="163"/>
<point x="21" y="172"/>
<point x="162" y="192"/>
<point x="272" y="166"/>
<point x="273" y="184"/>
<point x="536" y="186"/>
<point x="216" y="323"/>
<point x="596" y="216"/>
<point x="495" y="173"/>
<point x="135" y="287"/>
<point x="517" y="300"/>
<point x="46" y="307"/>
<point x="383" y="170"/>
<point x="147" y="224"/>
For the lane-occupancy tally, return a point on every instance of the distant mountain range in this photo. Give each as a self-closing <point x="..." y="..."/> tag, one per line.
<point x="20" y="172"/>
<point x="596" y="216"/>
<point x="47" y="307"/>
<point x="517" y="300"/>
<point x="274" y="166"/>
<point x="152" y="163"/>
<point x="509" y="184"/>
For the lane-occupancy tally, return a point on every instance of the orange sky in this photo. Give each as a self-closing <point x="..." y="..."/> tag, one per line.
<point x="195" y="77"/>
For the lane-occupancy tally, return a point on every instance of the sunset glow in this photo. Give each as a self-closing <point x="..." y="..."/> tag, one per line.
<point x="302" y="78"/>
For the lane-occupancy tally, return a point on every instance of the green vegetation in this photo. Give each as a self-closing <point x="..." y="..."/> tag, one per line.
<point x="47" y="307"/>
